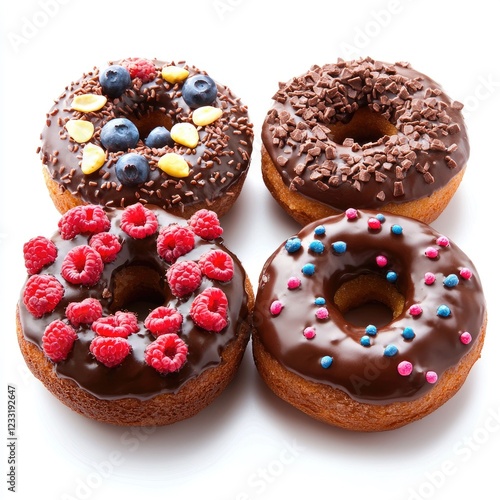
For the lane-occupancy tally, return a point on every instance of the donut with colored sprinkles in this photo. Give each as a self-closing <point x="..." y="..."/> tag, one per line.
<point x="376" y="331"/>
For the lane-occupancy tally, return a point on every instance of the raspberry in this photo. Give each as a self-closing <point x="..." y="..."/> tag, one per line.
<point x="107" y="246"/>
<point x="163" y="320"/>
<point x="83" y="219"/>
<point x="110" y="351"/>
<point x="217" y="265"/>
<point x="38" y="253"/>
<point x="205" y="224"/>
<point x="209" y="310"/>
<point x="174" y="241"/>
<point x="41" y="294"/>
<point x="138" y="221"/>
<point x="184" y="277"/>
<point x="57" y="340"/>
<point x="82" y="266"/>
<point x="69" y="223"/>
<point x="167" y="353"/>
<point x="140" y="68"/>
<point x="121" y="324"/>
<point x="84" y="312"/>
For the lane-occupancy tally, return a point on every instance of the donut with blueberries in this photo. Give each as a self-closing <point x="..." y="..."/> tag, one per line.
<point x="147" y="131"/>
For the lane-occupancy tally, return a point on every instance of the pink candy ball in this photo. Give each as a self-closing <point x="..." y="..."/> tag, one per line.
<point x="276" y="307"/>
<point x="431" y="377"/>
<point x="322" y="313"/>
<point x="431" y="252"/>
<point x="293" y="283"/>
<point x="465" y="273"/>
<point x="415" y="310"/>
<point x="429" y="278"/>
<point x="309" y="332"/>
<point x="351" y="213"/>
<point x="465" y="338"/>
<point x="443" y="241"/>
<point x="374" y="223"/>
<point x="405" y="368"/>
<point x="381" y="260"/>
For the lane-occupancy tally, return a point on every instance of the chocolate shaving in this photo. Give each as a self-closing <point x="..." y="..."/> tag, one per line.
<point x="424" y="120"/>
<point x="282" y="161"/>
<point x="398" y="189"/>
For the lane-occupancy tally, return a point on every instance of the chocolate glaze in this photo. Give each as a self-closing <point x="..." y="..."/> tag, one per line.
<point x="217" y="163"/>
<point x="134" y="378"/>
<point x="364" y="373"/>
<point x="429" y="148"/>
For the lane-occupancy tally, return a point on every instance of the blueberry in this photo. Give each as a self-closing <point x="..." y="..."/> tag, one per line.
<point x="199" y="90"/>
<point x="132" y="169"/>
<point x="159" y="137"/>
<point x="115" y="80"/>
<point x="119" y="134"/>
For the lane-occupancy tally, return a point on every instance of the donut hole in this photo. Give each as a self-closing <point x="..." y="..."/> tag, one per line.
<point x="364" y="126"/>
<point x="150" y="120"/>
<point x="369" y="299"/>
<point x="138" y="289"/>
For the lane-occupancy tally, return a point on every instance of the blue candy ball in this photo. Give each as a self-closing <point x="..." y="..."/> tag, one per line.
<point x="408" y="333"/>
<point x="390" y="350"/>
<point x="339" y="246"/>
<point x="326" y="361"/>
<point x="443" y="311"/>
<point x="293" y="244"/>
<point x="451" y="280"/>
<point x="308" y="269"/>
<point x="365" y="341"/>
<point x="316" y="246"/>
<point x="391" y="277"/>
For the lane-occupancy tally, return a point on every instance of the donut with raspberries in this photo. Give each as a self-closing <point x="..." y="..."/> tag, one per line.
<point x="134" y="316"/>
<point x="363" y="134"/>
<point x="368" y="321"/>
<point x="147" y="131"/>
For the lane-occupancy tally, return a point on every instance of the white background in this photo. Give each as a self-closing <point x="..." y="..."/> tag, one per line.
<point x="248" y="444"/>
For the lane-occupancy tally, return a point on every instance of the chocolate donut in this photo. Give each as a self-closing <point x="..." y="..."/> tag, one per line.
<point x="188" y="139"/>
<point x="134" y="317"/>
<point x="363" y="134"/>
<point x="368" y="321"/>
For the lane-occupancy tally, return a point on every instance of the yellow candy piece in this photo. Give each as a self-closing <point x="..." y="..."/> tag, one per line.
<point x="93" y="158"/>
<point x="185" y="134"/>
<point x="80" y="130"/>
<point x="88" y="102"/>
<point x="174" y="165"/>
<point x="173" y="74"/>
<point x="206" y="115"/>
